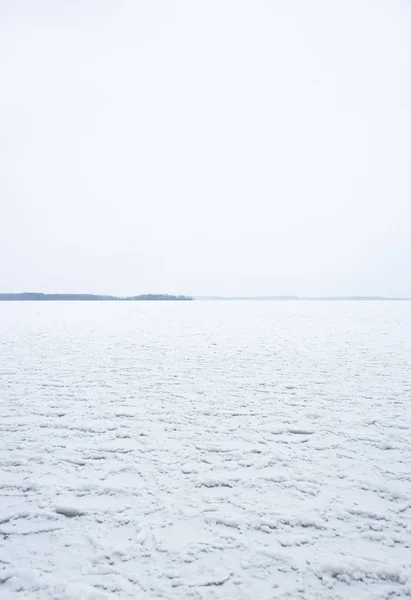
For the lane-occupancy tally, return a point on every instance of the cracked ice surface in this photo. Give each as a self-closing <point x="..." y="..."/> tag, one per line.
<point x="248" y="450"/>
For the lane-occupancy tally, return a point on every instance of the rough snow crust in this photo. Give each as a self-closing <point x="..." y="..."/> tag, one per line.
<point x="249" y="450"/>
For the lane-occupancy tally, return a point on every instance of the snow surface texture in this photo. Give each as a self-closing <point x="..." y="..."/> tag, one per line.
<point x="249" y="450"/>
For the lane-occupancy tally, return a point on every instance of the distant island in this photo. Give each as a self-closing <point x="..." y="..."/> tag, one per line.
<point x="34" y="296"/>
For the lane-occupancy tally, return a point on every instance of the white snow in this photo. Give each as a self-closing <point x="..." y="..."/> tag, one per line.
<point x="69" y="511"/>
<point x="205" y="451"/>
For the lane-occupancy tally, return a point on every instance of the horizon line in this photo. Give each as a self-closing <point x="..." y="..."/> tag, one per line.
<point x="79" y="297"/>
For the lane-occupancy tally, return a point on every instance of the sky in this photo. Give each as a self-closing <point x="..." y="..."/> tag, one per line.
<point x="206" y="147"/>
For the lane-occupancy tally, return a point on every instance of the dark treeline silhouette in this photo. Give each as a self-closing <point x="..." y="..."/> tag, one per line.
<point x="30" y="296"/>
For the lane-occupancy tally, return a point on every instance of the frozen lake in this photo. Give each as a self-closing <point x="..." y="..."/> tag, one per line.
<point x="205" y="450"/>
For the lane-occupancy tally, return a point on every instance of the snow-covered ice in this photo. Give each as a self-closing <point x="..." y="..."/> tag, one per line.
<point x="249" y="450"/>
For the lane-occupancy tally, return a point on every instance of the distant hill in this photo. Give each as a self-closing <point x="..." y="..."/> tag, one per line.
<point x="34" y="296"/>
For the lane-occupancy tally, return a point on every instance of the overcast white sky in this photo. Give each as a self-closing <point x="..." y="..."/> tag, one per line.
<point x="230" y="147"/>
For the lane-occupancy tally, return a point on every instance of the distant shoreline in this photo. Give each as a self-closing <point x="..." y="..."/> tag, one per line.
<point x="304" y="298"/>
<point x="36" y="297"/>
